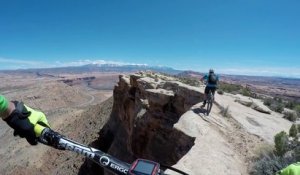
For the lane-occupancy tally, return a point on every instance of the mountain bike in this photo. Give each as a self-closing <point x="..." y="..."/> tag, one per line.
<point x="209" y="101"/>
<point x="138" y="167"/>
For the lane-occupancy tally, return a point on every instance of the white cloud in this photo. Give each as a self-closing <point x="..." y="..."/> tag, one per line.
<point x="88" y="61"/>
<point x="12" y="64"/>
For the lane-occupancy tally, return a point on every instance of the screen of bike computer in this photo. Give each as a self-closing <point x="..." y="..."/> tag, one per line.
<point x="144" y="168"/>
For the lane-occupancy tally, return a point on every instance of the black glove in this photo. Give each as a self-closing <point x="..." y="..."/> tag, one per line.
<point x="21" y="124"/>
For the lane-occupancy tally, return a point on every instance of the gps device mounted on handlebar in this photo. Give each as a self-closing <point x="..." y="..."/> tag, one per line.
<point x="144" y="167"/>
<point x="138" y="167"/>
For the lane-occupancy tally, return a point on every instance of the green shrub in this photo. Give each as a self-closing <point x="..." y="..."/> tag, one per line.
<point x="268" y="101"/>
<point x="293" y="131"/>
<point x="192" y="81"/>
<point x="278" y="99"/>
<point x="246" y="92"/>
<point x="297" y="109"/>
<point x="277" y="107"/>
<point x="275" y="104"/>
<point x="290" y="104"/>
<point x="269" y="163"/>
<point x="291" y="116"/>
<point x="281" y="143"/>
<point x="297" y="153"/>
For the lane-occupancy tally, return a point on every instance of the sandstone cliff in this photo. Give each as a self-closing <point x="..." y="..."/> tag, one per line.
<point x="159" y="118"/>
<point x="143" y="117"/>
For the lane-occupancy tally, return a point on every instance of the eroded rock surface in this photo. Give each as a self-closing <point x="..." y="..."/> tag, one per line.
<point x="142" y="121"/>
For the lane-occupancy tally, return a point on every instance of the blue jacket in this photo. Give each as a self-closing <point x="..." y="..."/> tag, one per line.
<point x="206" y="79"/>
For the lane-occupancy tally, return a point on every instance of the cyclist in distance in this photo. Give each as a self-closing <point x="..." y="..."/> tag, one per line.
<point x="211" y="80"/>
<point x="23" y="119"/>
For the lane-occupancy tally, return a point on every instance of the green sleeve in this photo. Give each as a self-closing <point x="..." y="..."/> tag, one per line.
<point x="293" y="169"/>
<point x="3" y="104"/>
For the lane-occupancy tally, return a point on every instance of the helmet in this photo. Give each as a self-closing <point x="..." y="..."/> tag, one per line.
<point x="211" y="71"/>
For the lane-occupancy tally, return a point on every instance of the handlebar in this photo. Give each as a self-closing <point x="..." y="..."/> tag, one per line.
<point x="58" y="141"/>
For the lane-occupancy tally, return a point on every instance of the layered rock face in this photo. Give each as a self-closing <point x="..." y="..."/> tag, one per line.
<point x="142" y="120"/>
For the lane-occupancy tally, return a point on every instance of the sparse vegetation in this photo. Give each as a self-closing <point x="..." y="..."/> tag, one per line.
<point x="268" y="101"/>
<point x="291" y="116"/>
<point x="230" y="88"/>
<point x="286" y="151"/>
<point x="192" y="81"/>
<point x="269" y="163"/>
<point x="246" y="92"/>
<point x="237" y="89"/>
<point x="293" y="131"/>
<point x="297" y="109"/>
<point x="291" y="104"/>
<point x="275" y="104"/>
<point x="278" y="107"/>
<point x="281" y="143"/>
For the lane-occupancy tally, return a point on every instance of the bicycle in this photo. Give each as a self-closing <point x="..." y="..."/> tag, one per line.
<point x="138" y="167"/>
<point x="209" y="100"/>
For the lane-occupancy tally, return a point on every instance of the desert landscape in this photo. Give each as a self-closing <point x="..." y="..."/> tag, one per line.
<point x="84" y="105"/>
<point x="128" y="78"/>
<point x="63" y="98"/>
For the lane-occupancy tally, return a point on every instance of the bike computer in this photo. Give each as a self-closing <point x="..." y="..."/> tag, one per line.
<point x="144" y="167"/>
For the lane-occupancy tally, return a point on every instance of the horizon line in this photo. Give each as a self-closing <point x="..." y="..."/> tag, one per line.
<point x="145" y="65"/>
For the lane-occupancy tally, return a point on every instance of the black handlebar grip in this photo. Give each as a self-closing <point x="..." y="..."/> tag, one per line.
<point x="51" y="138"/>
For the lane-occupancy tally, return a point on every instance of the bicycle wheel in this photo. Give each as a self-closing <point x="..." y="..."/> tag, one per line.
<point x="209" y="103"/>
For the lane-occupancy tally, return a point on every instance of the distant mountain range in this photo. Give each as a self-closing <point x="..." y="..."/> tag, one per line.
<point x="97" y="68"/>
<point x="135" y="68"/>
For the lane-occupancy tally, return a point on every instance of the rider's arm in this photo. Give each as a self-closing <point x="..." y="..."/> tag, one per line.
<point x="293" y="169"/>
<point x="203" y="78"/>
<point x="25" y="121"/>
<point x="6" y="107"/>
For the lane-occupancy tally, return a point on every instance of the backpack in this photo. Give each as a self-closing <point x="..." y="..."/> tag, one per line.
<point x="212" y="78"/>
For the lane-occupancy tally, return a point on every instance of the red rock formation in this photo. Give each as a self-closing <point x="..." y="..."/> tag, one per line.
<point x="144" y="113"/>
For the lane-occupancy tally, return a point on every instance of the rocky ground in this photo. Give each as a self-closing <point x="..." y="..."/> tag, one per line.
<point x="228" y="145"/>
<point x="222" y="145"/>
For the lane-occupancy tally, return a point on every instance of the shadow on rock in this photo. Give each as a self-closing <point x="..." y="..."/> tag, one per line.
<point x="199" y="111"/>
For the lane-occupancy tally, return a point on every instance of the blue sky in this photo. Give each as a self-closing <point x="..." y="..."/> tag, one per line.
<point x="252" y="37"/>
